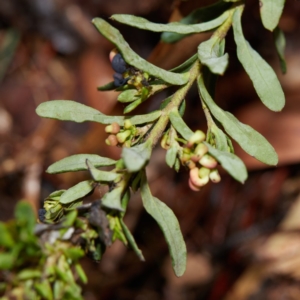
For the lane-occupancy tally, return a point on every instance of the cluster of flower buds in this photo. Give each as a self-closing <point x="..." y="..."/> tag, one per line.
<point x="120" y="136"/>
<point x="202" y="165"/>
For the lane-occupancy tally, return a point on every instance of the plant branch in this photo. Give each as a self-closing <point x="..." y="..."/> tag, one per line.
<point x="177" y="99"/>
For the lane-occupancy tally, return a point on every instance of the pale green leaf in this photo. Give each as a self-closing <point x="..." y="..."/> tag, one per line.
<point x="169" y="225"/>
<point x="270" y="12"/>
<point x="280" y="47"/>
<point x="67" y="110"/>
<point x="135" y="158"/>
<point x="128" y="96"/>
<point x="230" y="162"/>
<point x="262" y="75"/>
<point x="199" y="15"/>
<point x="77" y="162"/>
<point x="112" y="199"/>
<point x="101" y="176"/>
<point x="131" y="241"/>
<point x="219" y="138"/>
<point x="211" y="55"/>
<point x="176" y="27"/>
<point x="113" y="35"/>
<point x="78" y="191"/>
<point x="171" y="155"/>
<point x="249" y="139"/>
<point x="180" y="125"/>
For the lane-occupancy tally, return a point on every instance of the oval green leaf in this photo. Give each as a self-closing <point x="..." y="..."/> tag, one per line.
<point x="279" y="40"/>
<point x="112" y="199"/>
<point x="230" y="162"/>
<point x="262" y="75"/>
<point x="113" y="35"/>
<point x="249" y="139"/>
<point x="171" y="156"/>
<point x="137" y="157"/>
<point x="270" y="12"/>
<point x="67" y="110"/>
<point x="169" y="225"/>
<point x="128" y="96"/>
<point x="211" y="55"/>
<point x="78" y="191"/>
<point x="77" y="162"/>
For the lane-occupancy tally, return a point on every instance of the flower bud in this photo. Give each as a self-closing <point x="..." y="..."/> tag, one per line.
<point x="208" y="161"/>
<point x="215" y="176"/>
<point x="123" y="136"/>
<point x="164" y="141"/>
<point x="111" y="140"/>
<point x="112" y="128"/>
<point x="185" y="157"/>
<point x="196" y="180"/>
<point x="127" y="124"/>
<point x="200" y="150"/>
<point x="190" y="164"/>
<point x="203" y="172"/>
<point x="112" y="54"/>
<point x="197" y="137"/>
<point x="193" y="187"/>
<point x="127" y="144"/>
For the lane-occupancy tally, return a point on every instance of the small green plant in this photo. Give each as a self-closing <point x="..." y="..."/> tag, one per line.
<point x="101" y="222"/>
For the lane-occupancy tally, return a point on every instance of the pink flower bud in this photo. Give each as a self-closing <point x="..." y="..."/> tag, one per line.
<point x="193" y="187"/>
<point x="208" y="161"/>
<point x="111" y="140"/>
<point x="196" y="180"/>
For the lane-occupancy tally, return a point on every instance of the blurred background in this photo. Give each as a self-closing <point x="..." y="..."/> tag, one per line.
<point x="243" y="240"/>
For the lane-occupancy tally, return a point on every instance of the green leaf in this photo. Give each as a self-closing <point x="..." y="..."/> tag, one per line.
<point x="169" y="225"/>
<point x="211" y="54"/>
<point x="143" y="119"/>
<point x="203" y="14"/>
<point x="44" y="289"/>
<point x="7" y="260"/>
<point x="107" y="87"/>
<point x="74" y="253"/>
<point x="29" y="274"/>
<point x="81" y="273"/>
<point x="230" y="162"/>
<point x="112" y="199"/>
<point x="219" y="138"/>
<point x="101" y="176"/>
<point x="135" y="158"/>
<point x="249" y="139"/>
<point x="6" y="239"/>
<point x="67" y="110"/>
<point x="270" y="12"/>
<point x="133" y="105"/>
<point x="78" y="191"/>
<point x="180" y="125"/>
<point x="176" y="27"/>
<point x="128" y="96"/>
<point x="25" y="216"/>
<point x="77" y="162"/>
<point x="279" y="39"/>
<point x="262" y="75"/>
<point x="131" y="241"/>
<point x="171" y="156"/>
<point x="113" y="35"/>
